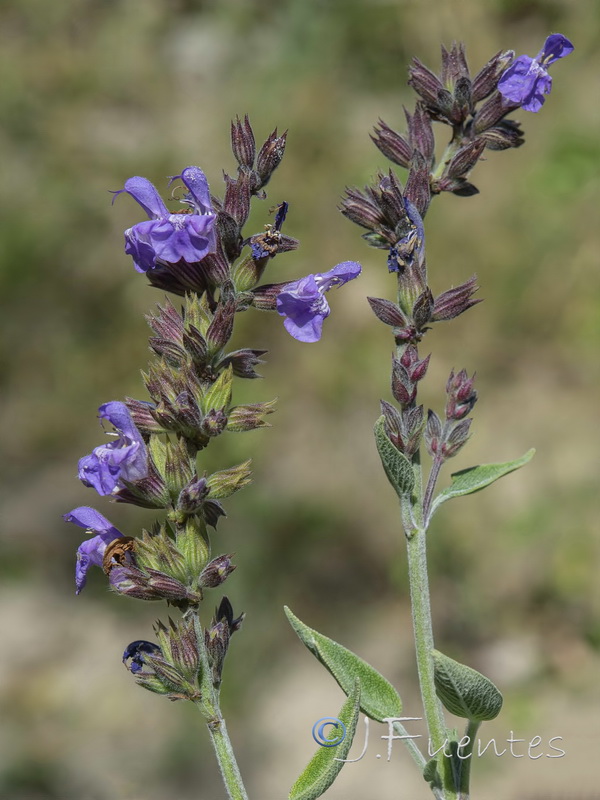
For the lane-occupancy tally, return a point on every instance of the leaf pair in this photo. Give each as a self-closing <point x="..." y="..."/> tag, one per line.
<point x="367" y="691"/>
<point x="400" y="473"/>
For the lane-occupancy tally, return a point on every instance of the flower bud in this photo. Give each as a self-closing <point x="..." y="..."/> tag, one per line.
<point x="243" y="362"/>
<point x="454" y="64"/>
<point x="456" y="438"/>
<point x="392" y="145"/>
<point x="403" y="389"/>
<point x="192" y="496"/>
<point x="507" y="133"/>
<point x="486" y="80"/>
<point x="387" y="312"/>
<point x="248" y="417"/>
<point x="461" y="395"/>
<point x="465" y="158"/>
<point x="417" y="189"/>
<point x="216" y="572"/>
<point x="455" y="301"/>
<point x="220" y="329"/>
<point x="433" y="433"/>
<point x="243" y="143"/>
<point x="425" y="83"/>
<point x="420" y="133"/>
<point x="228" y="481"/>
<point x="362" y="208"/>
<point x="423" y="309"/>
<point x="237" y="198"/>
<point x="491" y="112"/>
<point x="270" y="156"/>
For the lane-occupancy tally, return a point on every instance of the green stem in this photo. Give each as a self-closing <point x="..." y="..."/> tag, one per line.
<point x="433" y="476"/>
<point x="226" y="758"/>
<point x="465" y="762"/>
<point x="423" y="632"/>
<point x="416" y="535"/>
<point x="412" y="748"/>
<point x="451" y="149"/>
<point x="208" y="703"/>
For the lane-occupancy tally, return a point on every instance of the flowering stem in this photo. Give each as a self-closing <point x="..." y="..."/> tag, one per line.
<point x="450" y="151"/>
<point x="226" y="758"/>
<point x="416" y="534"/>
<point x="208" y="703"/>
<point x="431" y="482"/>
<point x="423" y="633"/>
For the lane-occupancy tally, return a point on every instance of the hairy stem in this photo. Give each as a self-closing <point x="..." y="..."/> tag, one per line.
<point x="416" y="535"/>
<point x="423" y="634"/>
<point x="412" y="748"/>
<point x="208" y="703"/>
<point x="433" y="476"/>
<point x="226" y="758"/>
<point x="467" y="758"/>
<point x="450" y="151"/>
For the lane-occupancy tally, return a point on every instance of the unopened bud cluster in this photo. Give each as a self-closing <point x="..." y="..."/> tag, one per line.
<point x="445" y="440"/>
<point x="475" y="110"/>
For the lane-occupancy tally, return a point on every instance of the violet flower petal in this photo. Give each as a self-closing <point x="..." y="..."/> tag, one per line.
<point x="146" y="194"/>
<point x="338" y="275"/>
<point x="124" y="458"/>
<point x="556" y="46"/>
<point x="195" y="180"/>
<point x="526" y="81"/>
<point x="303" y="304"/>
<point x="90" y="519"/>
<point x="91" y="552"/>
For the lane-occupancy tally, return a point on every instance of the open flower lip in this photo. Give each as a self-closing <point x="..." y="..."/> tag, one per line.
<point x="188" y="235"/>
<point x="125" y="458"/>
<point x="90" y="552"/>
<point x="527" y="80"/>
<point x="303" y="305"/>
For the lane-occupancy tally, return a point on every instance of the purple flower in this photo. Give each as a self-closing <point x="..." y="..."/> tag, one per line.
<point x="303" y="304"/>
<point x="134" y="653"/>
<point x="526" y="81"/>
<point x="91" y="552"/>
<point x="188" y="235"/>
<point x="125" y="458"/>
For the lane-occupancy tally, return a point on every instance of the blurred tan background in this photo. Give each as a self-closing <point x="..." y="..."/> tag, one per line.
<point x="94" y="92"/>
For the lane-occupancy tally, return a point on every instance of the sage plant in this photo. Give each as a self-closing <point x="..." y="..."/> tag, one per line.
<point x="475" y="110"/>
<point x="153" y="458"/>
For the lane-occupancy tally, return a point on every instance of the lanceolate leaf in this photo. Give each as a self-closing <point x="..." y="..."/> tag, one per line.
<point x="396" y="465"/>
<point x="464" y="691"/>
<point x="474" y="479"/>
<point x="325" y="765"/>
<point x="378" y="698"/>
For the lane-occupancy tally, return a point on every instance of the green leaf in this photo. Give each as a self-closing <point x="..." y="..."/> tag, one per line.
<point x="431" y="773"/>
<point x="378" y="698"/>
<point x="396" y="465"/>
<point x="476" y="478"/>
<point x="464" y="691"/>
<point x="325" y="765"/>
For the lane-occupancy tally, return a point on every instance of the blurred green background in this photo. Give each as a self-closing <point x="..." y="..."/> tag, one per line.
<point x="93" y="92"/>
